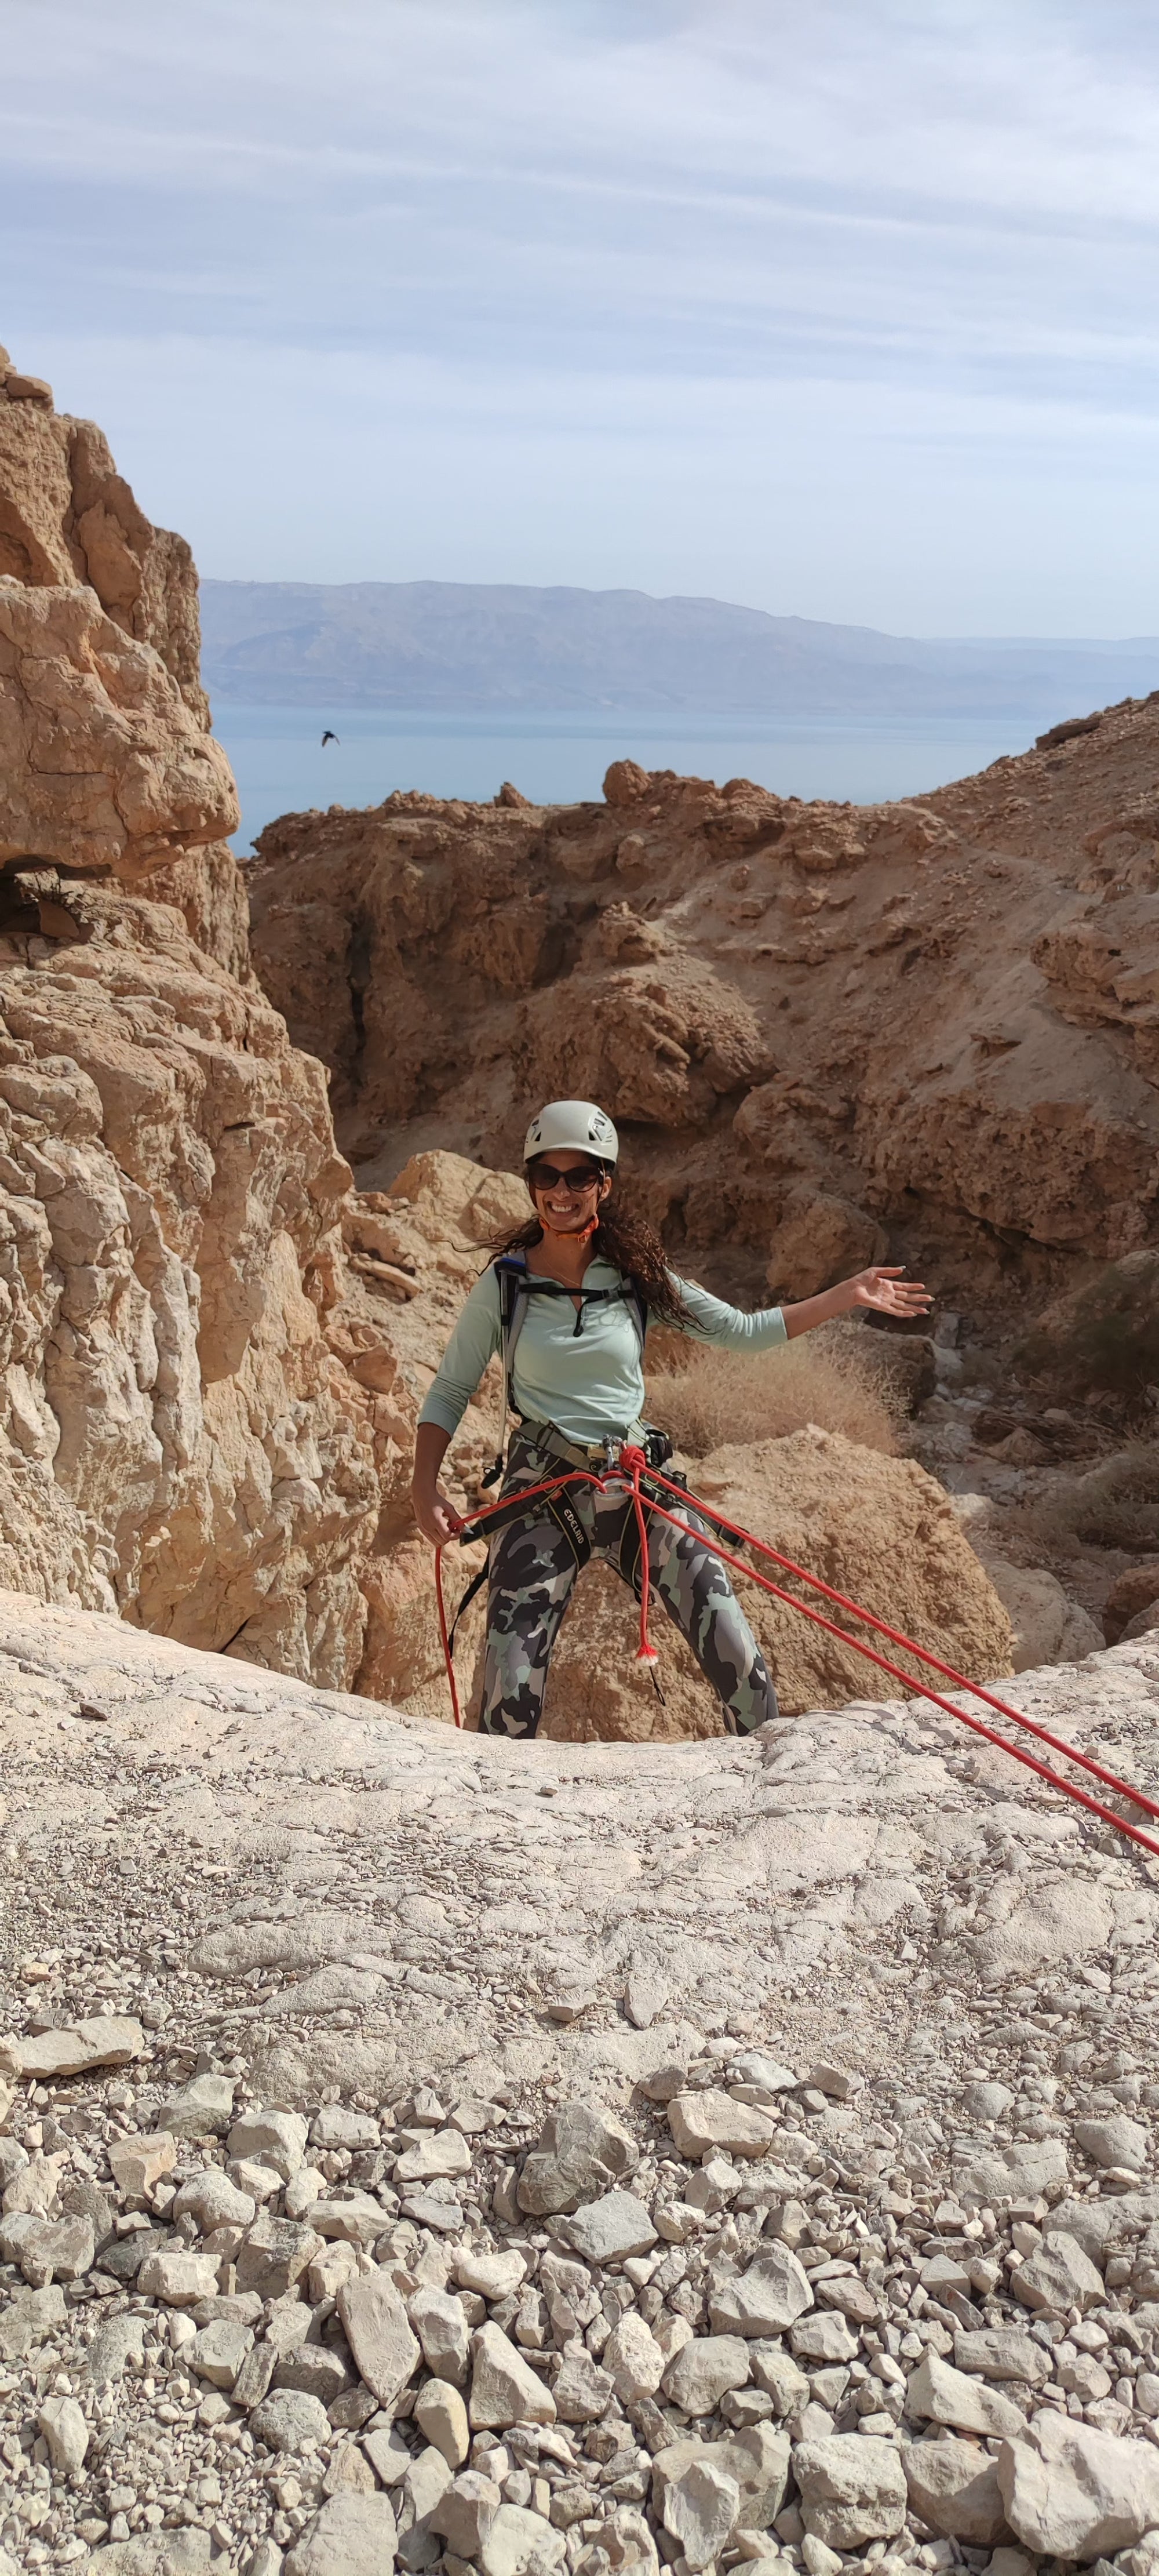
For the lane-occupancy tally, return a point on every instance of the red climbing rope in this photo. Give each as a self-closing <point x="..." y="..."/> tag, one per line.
<point x="633" y="1460"/>
<point x="898" y="1637"/>
<point x="633" y="1463"/>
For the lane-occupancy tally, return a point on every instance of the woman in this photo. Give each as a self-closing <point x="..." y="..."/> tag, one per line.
<point x="584" y="1277"/>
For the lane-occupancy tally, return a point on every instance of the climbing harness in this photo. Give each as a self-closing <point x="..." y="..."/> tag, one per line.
<point x="629" y="1466"/>
<point x="517" y="1286"/>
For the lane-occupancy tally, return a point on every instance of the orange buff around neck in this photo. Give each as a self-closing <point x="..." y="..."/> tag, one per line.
<point x="572" y="1234"/>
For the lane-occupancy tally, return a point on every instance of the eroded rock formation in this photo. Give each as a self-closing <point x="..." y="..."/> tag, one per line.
<point x="215" y="1349"/>
<point x="824" y="1027"/>
<point x="107" y="763"/>
<point x="180" y="1442"/>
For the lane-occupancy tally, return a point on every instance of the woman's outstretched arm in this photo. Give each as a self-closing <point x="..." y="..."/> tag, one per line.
<point x="883" y="1291"/>
<point x="731" y="1329"/>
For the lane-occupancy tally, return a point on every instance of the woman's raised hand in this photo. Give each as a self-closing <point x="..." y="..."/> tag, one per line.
<point x="888" y="1293"/>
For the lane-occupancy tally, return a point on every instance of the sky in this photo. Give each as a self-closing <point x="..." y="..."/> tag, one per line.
<point x="843" y="309"/>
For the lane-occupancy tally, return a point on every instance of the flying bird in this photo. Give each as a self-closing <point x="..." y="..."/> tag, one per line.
<point x="329" y="737"/>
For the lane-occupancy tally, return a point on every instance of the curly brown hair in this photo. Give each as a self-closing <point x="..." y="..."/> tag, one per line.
<point x="630" y="1244"/>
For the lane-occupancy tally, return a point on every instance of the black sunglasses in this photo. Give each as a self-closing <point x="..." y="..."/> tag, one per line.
<point x="547" y="1176"/>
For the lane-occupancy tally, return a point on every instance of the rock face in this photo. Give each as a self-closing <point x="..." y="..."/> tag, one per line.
<point x="180" y="1441"/>
<point x="108" y="764"/>
<point x="214" y="1349"/>
<point x="795" y="1010"/>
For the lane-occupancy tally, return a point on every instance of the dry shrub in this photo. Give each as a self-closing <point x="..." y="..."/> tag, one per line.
<point x="1115" y="1505"/>
<point x="1104" y="1337"/>
<point x="712" y="1399"/>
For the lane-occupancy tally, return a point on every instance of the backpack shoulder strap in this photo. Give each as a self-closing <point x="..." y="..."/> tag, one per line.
<point x="511" y="1272"/>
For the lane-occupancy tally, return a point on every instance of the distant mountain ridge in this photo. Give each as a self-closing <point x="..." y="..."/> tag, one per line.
<point x="478" y="648"/>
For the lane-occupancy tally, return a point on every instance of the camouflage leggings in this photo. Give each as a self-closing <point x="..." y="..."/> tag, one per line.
<point x="531" y="1573"/>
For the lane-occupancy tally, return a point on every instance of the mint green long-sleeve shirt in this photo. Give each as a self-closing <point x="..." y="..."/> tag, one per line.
<point x="589" y="1383"/>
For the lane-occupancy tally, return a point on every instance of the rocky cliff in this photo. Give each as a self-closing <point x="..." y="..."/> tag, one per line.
<point x="825" y="1029"/>
<point x="180" y="1442"/>
<point x="215" y="1350"/>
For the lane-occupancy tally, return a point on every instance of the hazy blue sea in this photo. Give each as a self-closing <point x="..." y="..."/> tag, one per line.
<point x="281" y="767"/>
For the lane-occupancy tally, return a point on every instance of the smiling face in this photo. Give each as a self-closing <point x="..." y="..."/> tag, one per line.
<point x="567" y="1190"/>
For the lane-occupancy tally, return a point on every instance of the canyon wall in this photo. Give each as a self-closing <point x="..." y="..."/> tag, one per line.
<point x="180" y="1443"/>
<point x="215" y="1348"/>
<point x="827" y="1030"/>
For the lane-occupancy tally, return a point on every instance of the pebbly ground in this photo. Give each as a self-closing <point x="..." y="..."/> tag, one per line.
<point x="858" y="1997"/>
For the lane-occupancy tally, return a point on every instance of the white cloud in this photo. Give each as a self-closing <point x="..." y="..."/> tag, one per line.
<point x="843" y="309"/>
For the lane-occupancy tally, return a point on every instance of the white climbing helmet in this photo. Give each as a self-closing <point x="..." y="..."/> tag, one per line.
<point x="576" y="1125"/>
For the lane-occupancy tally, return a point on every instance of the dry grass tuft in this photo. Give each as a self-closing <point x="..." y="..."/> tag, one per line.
<point x="708" y="1399"/>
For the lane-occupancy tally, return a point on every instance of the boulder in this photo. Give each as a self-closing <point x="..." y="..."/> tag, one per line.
<point x="276" y="2138"/>
<point x="633" y="2359"/>
<point x="466" y="2510"/>
<point x="109" y="2039"/>
<point x="579" y="2153"/>
<point x="203" y="2108"/>
<point x="701" y="2372"/>
<point x="821" y="1238"/>
<point x="178" y="2279"/>
<point x="708" y="2122"/>
<point x="700" y="2511"/>
<point x="441" y="2417"/>
<point x="351" y="2535"/>
<point x="378" y="2332"/>
<point x="1001" y="2352"/>
<point x="757" y="2458"/>
<point x="1048" y="1627"/>
<point x="581" y="2390"/>
<point x="218" y="2351"/>
<point x="623" y="2544"/>
<point x="1133" y="1592"/>
<point x="1013" y="2173"/>
<point x="823" y="2338"/>
<point x="1059" y="2276"/>
<point x="852" y="2489"/>
<point x="519" y="2540"/>
<point x="610" y="2229"/>
<point x="950" y="2397"/>
<point x="274" y="2254"/>
<point x="290" y="2420"/>
<point x="954" y="2487"/>
<point x="66" y="2433"/>
<point x="504" y="2387"/>
<point x="1114" y="2141"/>
<point x="1072" y="2492"/>
<point x="438" y="2320"/>
<point x="765" y="2298"/>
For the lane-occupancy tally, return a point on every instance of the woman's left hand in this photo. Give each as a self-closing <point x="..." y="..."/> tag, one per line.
<point x="888" y="1292"/>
